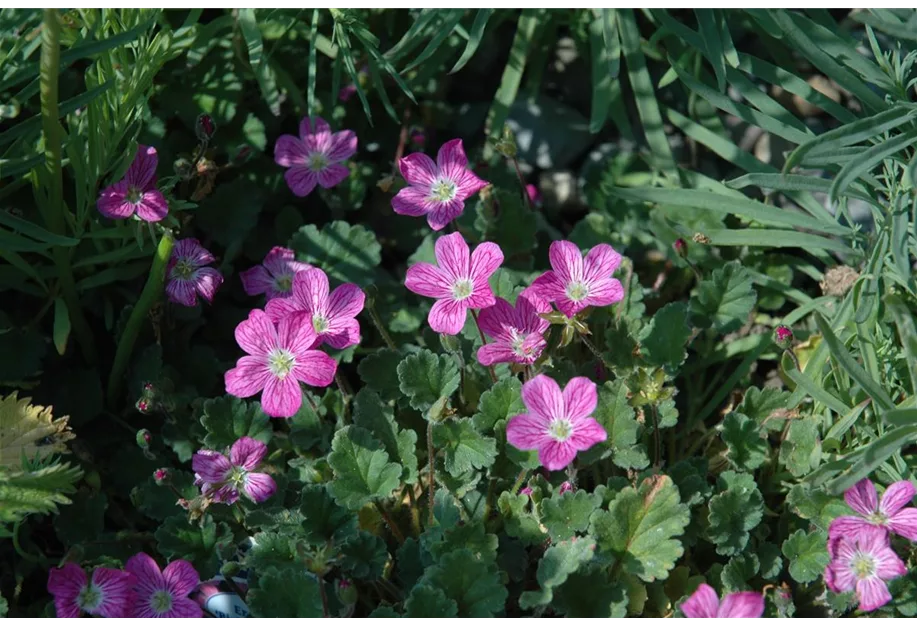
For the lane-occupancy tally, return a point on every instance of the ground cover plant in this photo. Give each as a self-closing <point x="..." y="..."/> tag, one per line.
<point x="457" y="313"/>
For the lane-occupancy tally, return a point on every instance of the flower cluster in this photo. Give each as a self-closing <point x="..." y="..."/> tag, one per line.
<point x="141" y="590"/>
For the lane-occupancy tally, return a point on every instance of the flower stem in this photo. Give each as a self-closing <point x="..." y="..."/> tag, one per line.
<point x="432" y="475"/>
<point x="345" y="395"/>
<point x="519" y="479"/>
<point x="474" y="314"/>
<point x="148" y="297"/>
<point x="525" y="192"/>
<point x="794" y="358"/>
<point x="377" y="322"/>
<point x="390" y="522"/>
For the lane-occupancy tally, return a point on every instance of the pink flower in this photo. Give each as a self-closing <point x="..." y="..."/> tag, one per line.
<point x="275" y="276"/>
<point x="705" y="604"/>
<point x="517" y="333"/>
<point x="458" y="284"/>
<point x="436" y="190"/>
<point x="278" y="359"/>
<point x="136" y="192"/>
<point x="333" y="316"/>
<point x="188" y="275"/>
<point x="222" y="479"/>
<point x="315" y="157"/>
<point x="163" y="593"/>
<point x="526" y="491"/>
<point x="864" y="563"/>
<point x="558" y="424"/>
<point x="107" y="594"/>
<point x="576" y="283"/>
<point x="890" y="513"/>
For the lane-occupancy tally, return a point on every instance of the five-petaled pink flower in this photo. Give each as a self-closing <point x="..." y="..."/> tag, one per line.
<point x="890" y="513"/>
<point x="558" y="424"/>
<point x="576" y="283"/>
<point x="136" y="192"/>
<point x="163" y="593"/>
<point x="315" y="157"/>
<point x="222" y="479"/>
<point x="274" y="277"/>
<point x="278" y="359"/>
<point x="107" y="594"/>
<point x="436" y="190"/>
<point x="333" y="315"/>
<point x="705" y="604"/>
<point x="863" y="562"/>
<point x="518" y="333"/>
<point x="188" y="274"/>
<point x="458" y="284"/>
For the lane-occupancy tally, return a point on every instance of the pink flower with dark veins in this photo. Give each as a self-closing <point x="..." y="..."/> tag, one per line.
<point x="705" y="604"/>
<point x="576" y="282"/>
<point x="136" y="193"/>
<point x="890" y="514"/>
<point x="223" y="479"/>
<point x="189" y="274"/>
<point x="274" y="277"/>
<point x="863" y="562"/>
<point x="517" y="333"/>
<point x="107" y="594"/>
<point x="163" y="593"/>
<point x="315" y="157"/>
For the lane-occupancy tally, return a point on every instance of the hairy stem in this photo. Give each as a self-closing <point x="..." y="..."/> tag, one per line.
<point x="432" y="475"/>
<point x="377" y="322"/>
<point x="474" y="314"/>
<point x="390" y="522"/>
<point x="148" y="297"/>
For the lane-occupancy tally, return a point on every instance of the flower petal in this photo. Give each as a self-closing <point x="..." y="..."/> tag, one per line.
<point x="412" y="201"/>
<point x="184" y="608"/>
<point x="343" y="146"/>
<point x="282" y="398"/>
<point x="428" y="280"/>
<point x="702" y="604"/>
<point x="153" y="206"/>
<point x="319" y="135"/>
<point x="580" y="398"/>
<point x="527" y="313"/>
<point x="527" y="432"/>
<point x="498" y="320"/>
<point x="290" y="151"/>
<point x="181" y="291"/>
<point x="281" y="261"/>
<point x="453" y="256"/>
<point x="259" y="486"/>
<point x="742" y="605"/>
<point x="897" y="496"/>
<point x="296" y="333"/>
<point x="544" y="290"/>
<point x="904" y="523"/>
<point x="315" y="368"/>
<point x="448" y="316"/>
<point x="116" y="587"/>
<point x="332" y="175"/>
<point x="888" y="565"/>
<point x="146" y="570"/>
<point x="567" y="261"/>
<point x="181" y="577"/>
<point x="341" y="334"/>
<point x="601" y="262"/>
<point x="604" y="293"/>
<point x="65" y="584"/>
<point x="112" y="202"/>
<point x="485" y="260"/>
<point x="543" y="398"/>
<point x="279" y="308"/>
<point x="862" y="497"/>
<point x="442" y="213"/>
<point x="248" y="377"/>
<point x="556" y="455"/>
<point x="256" y="335"/>
<point x="207" y="281"/>
<point x="587" y="433"/>
<point x="499" y="352"/>
<point x="190" y="250"/>
<point x="468" y="184"/>
<point x="482" y="295"/>
<point x="142" y="170"/>
<point x="247" y="452"/>
<point x="872" y="594"/>
<point x="849" y="526"/>
<point x="213" y="467"/>
<point x="346" y="301"/>
<point x="310" y="290"/>
<point x="301" y="180"/>
<point x="418" y="170"/>
<point x="256" y="280"/>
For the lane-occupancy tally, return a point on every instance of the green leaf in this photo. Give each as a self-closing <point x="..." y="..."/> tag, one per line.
<point x="159" y="501"/>
<point x="271" y="550"/>
<point x="800" y="450"/>
<point x="380" y="372"/>
<point x="470" y="536"/>
<point x="464" y="447"/>
<point x="774" y="238"/>
<point x="513" y="228"/>
<point x="427" y="379"/>
<point x="739" y="571"/>
<point x="736" y="510"/>
<point x="616" y="415"/>
<point x="761" y="404"/>
<point x="476" y="590"/>
<point x="429" y="602"/>
<point x="565" y="514"/>
<point x="868" y="159"/>
<point x="61" y="330"/>
<point x="40" y="491"/>
<point x="690" y="475"/>
<point x="725" y="300"/>
<point x="371" y="414"/>
<point x="323" y="519"/>
<point x="641" y="527"/>
<point x="364" y="555"/>
<point x="231" y="213"/>
<point x="229" y="418"/>
<point x="197" y="542"/>
<point x="601" y="77"/>
<point x="500" y="402"/>
<point x="255" y="45"/>
<point x="347" y="253"/>
<point x="771" y="562"/>
<point x="808" y="555"/>
<point x="362" y="470"/>
<point x="558" y="563"/>
<point x="662" y="341"/>
<point x="474" y="38"/>
<point x="285" y="593"/>
<point x="746" y="449"/>
<point x="518" y="520"/>
<point x="4" y="607"/>
<point x="589" y="593"/>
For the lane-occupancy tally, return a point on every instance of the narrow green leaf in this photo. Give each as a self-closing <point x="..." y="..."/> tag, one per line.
<point x="447" y="24"/>
<point x="840" y="428"/>
<point x="415" y="35"/>
<point x="34" y="231"/>
<point x="872" y="456"/>
<point x="774" y="238"/>
<point x="612" y="42"/>
<point x="868" y="159"/>
<point x="797" y="182"/>
<point x="818" y="393"/>
<point x="729" y="50"/>
<point x="474" y="38"/>
<point x="313" y="62"/>
<point x="61" y="325"/>
<point x="343" y="41"/>
<point x="601" y="79"/>
<point x="907" y="333"/>
<point x="710" y="33"/>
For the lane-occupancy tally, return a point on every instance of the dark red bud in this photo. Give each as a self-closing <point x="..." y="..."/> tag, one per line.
<point x="205" y="127"/>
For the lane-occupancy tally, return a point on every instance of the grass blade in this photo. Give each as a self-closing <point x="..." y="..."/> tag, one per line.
<point x="313" y="62"/>
<point x="612" y="42"/>
<point x="448" y="23"/>
<point x="818" y="393"/>
<point x="710" y="33"/>
<point x="872" y="457"/>
<point x="601" y="79"/>
<point x="474" y="38"/>
<point x="907" y="333"/>
<point x="248" y="24"/>
<point x="415" y="35"/>
<point x="774" y="238"/>
<point x="868" y="159"/>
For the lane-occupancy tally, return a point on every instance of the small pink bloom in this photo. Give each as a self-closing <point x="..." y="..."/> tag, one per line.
<point x="275" y="276"/>
<point x="136" y="192"/>
<point x="558" y="424"/>
<point x="534" y="194"/>
<point x="566" y="486"/>
<point x="315" y="157"/>
<point x="278" y="359"/>
<point x="526" y="491"/>
<point x="163" y="593"/>
<point x="223" y="479"/>
<point x="107" y="594"/>
<point x="458" y="284"/>
<point x="333" y="316"/>
<point x="576" y="283"/>
<point x="890" y="513"/>
<point x="518" y="333"/>
<point x="863" y="562"/>
<point x="705" y="604"/>
<point x="436" y="190"/>
<point x="188" y="274"/>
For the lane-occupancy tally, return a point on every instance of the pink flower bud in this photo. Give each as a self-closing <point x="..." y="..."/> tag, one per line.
<point x="681" y="248"/>
<point x="783" y="336"/>
<point x="205" y="127"/>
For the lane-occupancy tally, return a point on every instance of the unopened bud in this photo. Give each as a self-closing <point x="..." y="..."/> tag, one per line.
<point x="347" y="592"/>
<point x="681" y="248"/>
<point x="418" y="137"/>
<point x="205" y="128"/>
<point x="783" y="336"/>
<point x="162" y="476"/>
<point x="184" y="169"/>
<point x="144" y="439"/>
<point x="526" y="491"/>
<point x="566" y="486"/>
<point x="144" y="406"/>
<point x="230" y="569"/>
<point x="506" y="145"/>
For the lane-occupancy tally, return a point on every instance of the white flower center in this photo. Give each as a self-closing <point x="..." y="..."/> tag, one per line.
<point x="89" y="598"/>
<point x="317" y="162"/>
<point x="319" y="323"/>
<point x="560" y="429"/>
<point x="283" y="283"/>
<point x="443" y="190"/>
<point x="134" y="195"/>
<point x="462" y="289"/>
<point x="183" y="270"/>
<point x="237" y="477"/>
<point x="577" y="291"/>
<point x="281" y="362"/>
<point x="863" y="565"/>
<point x="161" y="601"/>
<point x="878" y="518"/>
